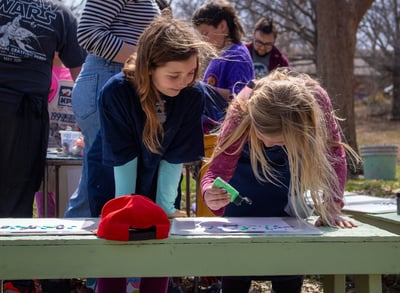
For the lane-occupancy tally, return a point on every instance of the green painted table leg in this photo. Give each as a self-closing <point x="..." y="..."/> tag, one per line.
<point x="334" y="283"/>
<point x="368" y="283"/>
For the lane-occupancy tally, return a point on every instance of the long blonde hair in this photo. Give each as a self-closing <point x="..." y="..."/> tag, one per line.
<point x="165" y="40"/>
<point x="284" y="103"/>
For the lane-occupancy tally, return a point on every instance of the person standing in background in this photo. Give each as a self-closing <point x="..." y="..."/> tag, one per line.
<point x="108" y="30"/>
<point x="220" y="25"/>
<point x="266" y="57"/>
<point x="61" y="118"/>
<point x="30" y="34"/>
<point x="60" y="102"/>
<point x="28" y="42"/>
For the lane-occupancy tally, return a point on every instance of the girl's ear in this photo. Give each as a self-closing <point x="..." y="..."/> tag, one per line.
<point x="223" y="27"/>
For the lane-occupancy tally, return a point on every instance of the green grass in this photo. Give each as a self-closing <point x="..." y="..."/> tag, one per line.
<point x="192" y="184"/>
<point x="384" y="188"/>
<point x="192" y="191"/>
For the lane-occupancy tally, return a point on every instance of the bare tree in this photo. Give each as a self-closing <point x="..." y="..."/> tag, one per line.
<point x="329" y="29"/>
<point x="76" y="6"/>
<point x="396" y="69"/>
<point x="379" y="43"/>
<point x="296" y="21"/>
<point x="337" y="25"/>
<point x="325" y="32"/>
<point x="185" y="8"/>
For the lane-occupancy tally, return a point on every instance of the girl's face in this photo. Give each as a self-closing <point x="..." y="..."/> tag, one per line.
<point x="174" y="76"/>
<point x="214" y="35"/>
<point x="270" y="140"/>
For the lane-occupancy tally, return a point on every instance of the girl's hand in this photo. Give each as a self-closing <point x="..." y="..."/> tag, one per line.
<point x="337" y="221"/>
<point x="216" y="198"/>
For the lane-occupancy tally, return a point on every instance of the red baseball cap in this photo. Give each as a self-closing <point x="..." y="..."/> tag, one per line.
<point x="133" y="217"/>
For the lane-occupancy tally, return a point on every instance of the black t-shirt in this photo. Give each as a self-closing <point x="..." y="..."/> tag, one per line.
<point x="30" y="32"/>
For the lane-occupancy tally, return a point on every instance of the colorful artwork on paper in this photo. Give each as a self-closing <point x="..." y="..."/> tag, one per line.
<point x="215" y="225"/>
<point x="22" y="226"/>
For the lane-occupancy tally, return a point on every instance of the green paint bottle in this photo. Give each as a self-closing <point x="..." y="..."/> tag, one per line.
<point x="236" y="198"/>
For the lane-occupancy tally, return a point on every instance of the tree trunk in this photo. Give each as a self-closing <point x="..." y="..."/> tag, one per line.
<point x="337" y="24"/>
<point x="396" y="89"/>
<point x="396" y="68"/>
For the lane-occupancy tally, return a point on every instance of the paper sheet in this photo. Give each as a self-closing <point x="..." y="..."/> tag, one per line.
<point x="48" y="226"/>
<point x="369" y="204"/>
<point x="216" y="225"/>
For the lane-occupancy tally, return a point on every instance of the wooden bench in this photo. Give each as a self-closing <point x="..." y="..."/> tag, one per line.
<point x="386" y="221"/>
<point x="366" y="252"/>
<point x="383" y="215"/>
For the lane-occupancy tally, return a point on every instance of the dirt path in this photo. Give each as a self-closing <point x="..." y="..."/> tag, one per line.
<point x="376" y="129"/>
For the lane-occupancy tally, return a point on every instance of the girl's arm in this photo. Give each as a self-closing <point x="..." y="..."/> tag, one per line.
<point x="168" y="179"/>
<point x="338" y="160"/>
<point x="337" y="151"/>
<point x="102" y="19"/>
<point x="224" y="166"/>
<point x="125" y="178"/>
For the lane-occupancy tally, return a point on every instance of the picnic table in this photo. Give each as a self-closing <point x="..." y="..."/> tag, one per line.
<point x="366" y="252"/>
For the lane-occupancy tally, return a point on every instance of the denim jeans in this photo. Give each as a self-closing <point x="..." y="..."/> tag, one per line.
<point x="85" y="95"/>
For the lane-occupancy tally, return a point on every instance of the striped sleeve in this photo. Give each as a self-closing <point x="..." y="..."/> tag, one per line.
<point x="106" y="24"/>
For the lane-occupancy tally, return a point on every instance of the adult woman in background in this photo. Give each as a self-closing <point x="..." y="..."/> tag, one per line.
<point x="220" y="25"/>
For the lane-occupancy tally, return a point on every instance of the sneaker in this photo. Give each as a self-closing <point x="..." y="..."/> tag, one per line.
<point x="8" y="287"/>
<point x="22" y="286"/>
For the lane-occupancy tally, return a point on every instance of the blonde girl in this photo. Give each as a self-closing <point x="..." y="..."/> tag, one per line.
<point x="280" y="146"/>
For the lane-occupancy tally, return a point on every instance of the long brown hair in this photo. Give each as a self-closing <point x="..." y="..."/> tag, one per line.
<point x="165" y="40"/>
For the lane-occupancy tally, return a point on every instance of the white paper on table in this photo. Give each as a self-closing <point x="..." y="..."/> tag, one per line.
<point x="48" y="226"/>
<point x="232" y="225"/>
<point x="369" y="204"/>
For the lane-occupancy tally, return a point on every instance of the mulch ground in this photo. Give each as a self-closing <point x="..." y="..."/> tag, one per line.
<point x="312" y="284"/>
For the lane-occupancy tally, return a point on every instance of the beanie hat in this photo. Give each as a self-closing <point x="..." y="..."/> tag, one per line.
<point x="133" y="217"/>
